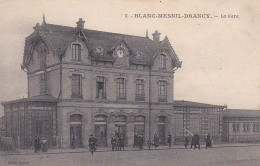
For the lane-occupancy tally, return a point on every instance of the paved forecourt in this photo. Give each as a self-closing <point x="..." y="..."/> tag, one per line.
<point x="237" y="156"/>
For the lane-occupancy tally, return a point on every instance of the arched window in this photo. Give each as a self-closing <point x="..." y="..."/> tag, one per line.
<point x="120" y="119"/>
<point x="76" y="52"/>
<point x="76" y="118"/>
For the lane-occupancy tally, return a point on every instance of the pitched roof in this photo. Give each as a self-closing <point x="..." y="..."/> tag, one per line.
<point x="41" y="98"/>
<point x="183" y="103"/>
<point x="241" y="113"/>
<point x="58" y="37"/>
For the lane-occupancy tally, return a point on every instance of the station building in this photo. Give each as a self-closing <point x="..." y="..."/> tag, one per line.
<point x="83" y="82"/>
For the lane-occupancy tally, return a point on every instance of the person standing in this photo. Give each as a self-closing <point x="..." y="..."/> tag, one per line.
<point x="113" y="142"/>
<point x="44" y="147"/>
<point x="208" y="141"/>
<point x="92" y="143"/>
<point x="186" y="140"/>
<point x="192" y="142"/>
<point x="121" y="142"/>
<point x="169" y="140"/>
<point x="36" y="144"/>
<point x="156" y="141"/>
<point x="149" y="143"/>
<point x="197" y="141"/>
<point x="140" y="142"/>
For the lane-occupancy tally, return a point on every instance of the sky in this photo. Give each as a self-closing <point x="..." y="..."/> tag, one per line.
<point x="220" y="56"/>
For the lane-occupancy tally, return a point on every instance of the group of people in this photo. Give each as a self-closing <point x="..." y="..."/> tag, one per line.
<point x="118" y="142"/>
<point x="195" y="141"/>
<point x="40" y="145"/>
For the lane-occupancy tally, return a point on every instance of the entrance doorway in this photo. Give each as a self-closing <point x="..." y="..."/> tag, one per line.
<point x="161" y="129"/>
<point x="120" y="124"/>
<point x="101" y="129"/>
<point x="76" y="131"/>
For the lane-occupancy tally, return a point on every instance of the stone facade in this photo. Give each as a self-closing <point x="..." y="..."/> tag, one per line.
<point x="66" y="63"/>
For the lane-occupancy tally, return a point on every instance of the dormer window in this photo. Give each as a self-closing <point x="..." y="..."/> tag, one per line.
<point x="76" y="52"/>
<point x="162" y="61"/>
<point x="99" y="50"/>
<point x="139" y="55"/>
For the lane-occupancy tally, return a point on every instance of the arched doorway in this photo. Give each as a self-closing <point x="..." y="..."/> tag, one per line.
<point x="76" y="131"/>
<point x="139" y="125"/>
<point x="100" y="124"/>
<point x="120" y="124"/>
<point x="161" y="128"/>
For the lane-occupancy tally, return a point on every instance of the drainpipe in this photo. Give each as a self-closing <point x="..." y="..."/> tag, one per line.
<point x="60" y="58"/>
<point x="150" y="118"/>
<point x="56" y="111"/>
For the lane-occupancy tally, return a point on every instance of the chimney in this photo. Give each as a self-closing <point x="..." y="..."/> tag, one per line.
<point x="80" y="23"/>
<point x="156" y="36"/>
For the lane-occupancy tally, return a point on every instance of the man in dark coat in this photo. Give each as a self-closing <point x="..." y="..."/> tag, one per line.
<point x="208" y="141"/>
<point x="149" y="143"/>
<point x="192" y="141"/>
<point x="92" y="143"/>
<point x="196" y="141"/>
<point x="36" y="144"/>
<point x="121" y="142"/>
<point x="169" y="139"/>
<point x="186" y="141"/>
<point x="113" y="142"/>
<point x="156" y="141"/>
<point x="140" y="142"/>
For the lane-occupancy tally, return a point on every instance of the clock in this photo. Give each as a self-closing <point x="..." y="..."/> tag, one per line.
<point x="120" y="53"/>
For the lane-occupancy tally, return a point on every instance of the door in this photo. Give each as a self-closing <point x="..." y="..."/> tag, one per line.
<point x="161" y="129"/>
<point x="121" y="129"/>
<point x="76" y="136"/>
<point x="76" y="131"/>
<point x="101" y="134"/>
<point x="161" y="133"/>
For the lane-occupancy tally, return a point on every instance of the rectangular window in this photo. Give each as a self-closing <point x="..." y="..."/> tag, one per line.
<point x="139" y="90"/>
<point x="162" y="91"/>
<point x="101" y="88"/>
<point x="43" y="83"/>
<point x="162" y="61"/>
<point x="42" y="61"/>
<point x="76" y="86"/>
<point x="121" y="88"/>
<point x="76" y="52"/>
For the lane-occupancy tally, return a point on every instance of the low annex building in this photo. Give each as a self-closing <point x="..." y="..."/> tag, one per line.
<point x="193" y="117"/>
<point x="241" y="125"/>
<point x="83" y="82"/>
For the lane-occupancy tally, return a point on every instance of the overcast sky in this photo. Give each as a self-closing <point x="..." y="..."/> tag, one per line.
<point x="221" y="60"/>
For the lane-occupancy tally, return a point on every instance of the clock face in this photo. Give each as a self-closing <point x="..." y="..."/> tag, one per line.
<point x="120" y="53"/>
